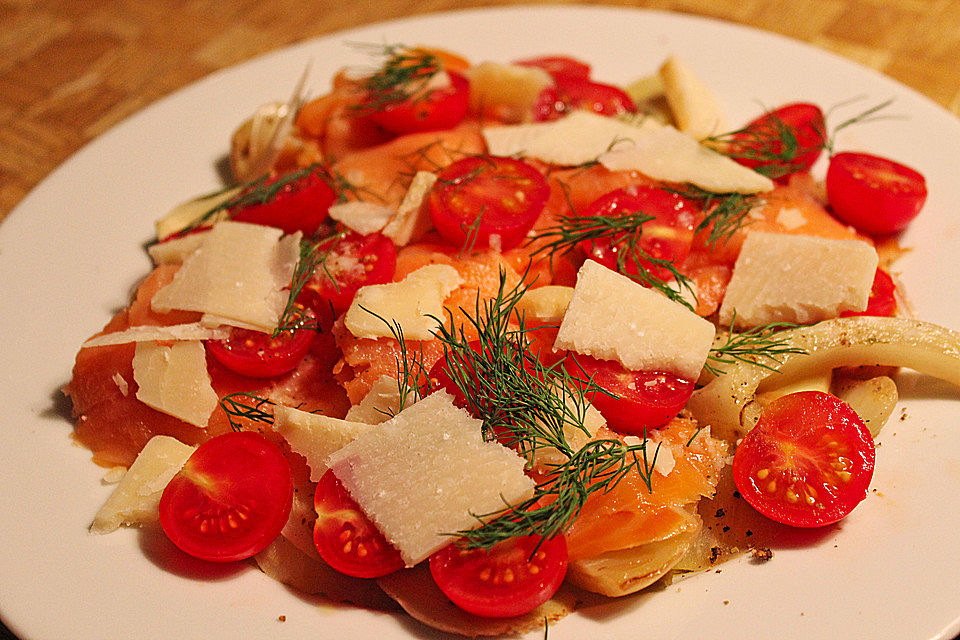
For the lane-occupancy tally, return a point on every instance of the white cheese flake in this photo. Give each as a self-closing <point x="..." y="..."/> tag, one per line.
<point x="611" y="317"/>
<point x="315" y="436"/>
<point x="149" y="333"/>
<point x="186" y="213"/>
<point x="176" y="250"/>
<point x="174" y="379"/>
<point x="413" y="216"/>
<point x="424" y="474"/>
<point x="380" y="404"/>
<point x="363" y="217"/>
<point x="695" y="109"/>
<point x="508" y="91"/>
<point x="547" y="304"/>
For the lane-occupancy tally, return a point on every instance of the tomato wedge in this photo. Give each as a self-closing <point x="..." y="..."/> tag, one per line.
<point x="511" y="578"/>
<point x="882" y="301"/>
<point x="351" y="262"/>
<point x="808" y="462"/>
<point x="479" y="197"/>
<point x="781" y="142"/>
<point x="559" y="66"/>
<point x="638" y="400"/>
<point x="260" y="355"/>
<point x="667" y="237"/>
<point x="294" y="202"/>
<point x="345" y="537"/>
<point x="572" y="92"/>
<point x="875" y="195"/>
<point x="436" y="109"/>
<point x="230" y="500"/>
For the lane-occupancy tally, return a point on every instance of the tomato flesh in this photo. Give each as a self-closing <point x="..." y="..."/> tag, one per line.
<point x="260" y="355"/>
<point x="667" y="237"/>
<point x="559" y="66"/>
<point x="781" y="142"/>
<point x="299" y="205"/>
<point x="479" y="197"/>
<point x="230" y="500"/>
<point x="345" y="537"/>
<point x="874" y="195"/>
<point x="352" y="261"/>
<point x="572" y="92"/>
<point x="639" y="400"/>
<point x="437" y="109"/>
<point x="511" y="578"/>
<point x="808" y="462"/>
<point x="882" y="300"/>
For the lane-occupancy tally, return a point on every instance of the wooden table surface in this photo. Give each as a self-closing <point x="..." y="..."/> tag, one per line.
<point x="71" y="69"/>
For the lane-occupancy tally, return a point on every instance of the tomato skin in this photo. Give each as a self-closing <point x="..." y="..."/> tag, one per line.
<point x="644" y="399"/>
<point x="300" y="205"/>
<point x="230" y="500"/>
<point x="345" y="537"/>
<point x="808" y="462"/>
<point x="442" y="108"/>
<point x="258" y="355"/>
<point x="473" y="579"/>
<point x="572" y="92"/>
<point x="754" y="145"/>
<point x="874" y="195"/>
<point x="559" y="66"/>
<point x="353" y="261"/>
<point x="668" y="237"/>
<point x="882" y="301"/>
<point x="507" y="196"/>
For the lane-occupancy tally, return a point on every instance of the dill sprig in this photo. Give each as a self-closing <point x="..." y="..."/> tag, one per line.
<point x="248" y="407"/>
<point x="404" y="73"/>
<point x="763" y="345"/>
<point x="724" y="213"/>
<point x="313" y="255"/>
<point x="868" y="115"/>
<point x="410" y="372"/>
<point x="774" y="147"/>
<point x="624" y="232"/>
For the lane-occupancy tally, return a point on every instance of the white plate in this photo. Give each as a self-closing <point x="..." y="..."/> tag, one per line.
<point x="70" y="254"/>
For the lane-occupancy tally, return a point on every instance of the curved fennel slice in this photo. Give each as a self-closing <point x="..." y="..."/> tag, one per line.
<point x="723" y="403"/>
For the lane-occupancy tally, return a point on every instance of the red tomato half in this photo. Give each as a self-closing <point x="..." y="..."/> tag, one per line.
<point x="667" y="237"/>
<point x="231" y="498"/>
<point x="641" y="399"/>
<point x="483" y="196"/>
<point x="509" y="579"/>
<point x="572" y="92"/>
<point x="351" y="262"/>
<point x="299" y="205"/>
<point x="782" y="141"/>
<point x="808" y="462"/>
<point x="260" y="355"/>
<point x="873" y="194"/>
<point x="882" y="301"/>
<point x="559" y="66"/>
<point x="345" y="537"/>
<point x="437" y="109"/>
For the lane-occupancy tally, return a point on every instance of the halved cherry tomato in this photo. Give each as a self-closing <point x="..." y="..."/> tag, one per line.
<point x="882" y="301"/>
<point x="640" y="399"/>
<point x="352" y="261"/>
<point x="808" y="462"/>
<point x="559" y="66"/>
<point x="345" y="537"/>
<point x="231" y="498"/>
<point x="782" y="141"/>
<point x="441" y="108"/>
<point x="667" y="237"/>
<point x="483" y="196"/>
<point x="512" y="578"/>
<point x="571" y="92"/>
<point x="873" y="194"/>
<point x="298" y="205"/>
<point x="260" y="355"/>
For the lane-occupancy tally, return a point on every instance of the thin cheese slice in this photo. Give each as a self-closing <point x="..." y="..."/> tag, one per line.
<point x="315" y="436"/>
<point x="548" y="304"/>
<point x="175" y="251"/>
<point x="136" y="498"/>
<point x="380" y="404"/>
<point x="415" y="304"/>
<point x="427" y="473"/>
<point x="174" y="379"/>
<point x="507" y="91"/>
<point x="695" y="109"/>
<point x="611" y="317"/>
<point x="363" y="217"/>
<point x="238" y="274"/>
<point x="186" y="213"/>
<point x="413" y="217"/>
<point x="799" y="279"/>
<point x="145" y="333"/>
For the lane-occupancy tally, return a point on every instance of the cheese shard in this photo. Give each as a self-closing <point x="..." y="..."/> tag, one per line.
<point x="176" y="250"/>
<point x="427" y="473"/>
<point x="799" y="279"/>
<point x="409" y="303"/>
<point x="380" y="404"/>
<point x="174" y="380"/>
<point x="186" y="213"/>
<point x="144" y="333"/>
<point x="238" y="274"/>
<point x="363" y="217"/>
<point x="507" y="91"/>
<point x="413" y="217"/>
<point x="315" y="436"/>
<point x="136" y="498"/>
<point x="547" y="304"/>
<point x="695" y="109"/>
<point x="611" y="317"/>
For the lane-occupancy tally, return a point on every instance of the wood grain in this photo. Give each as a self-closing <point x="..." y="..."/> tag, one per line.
<point x="71" y="69"/>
